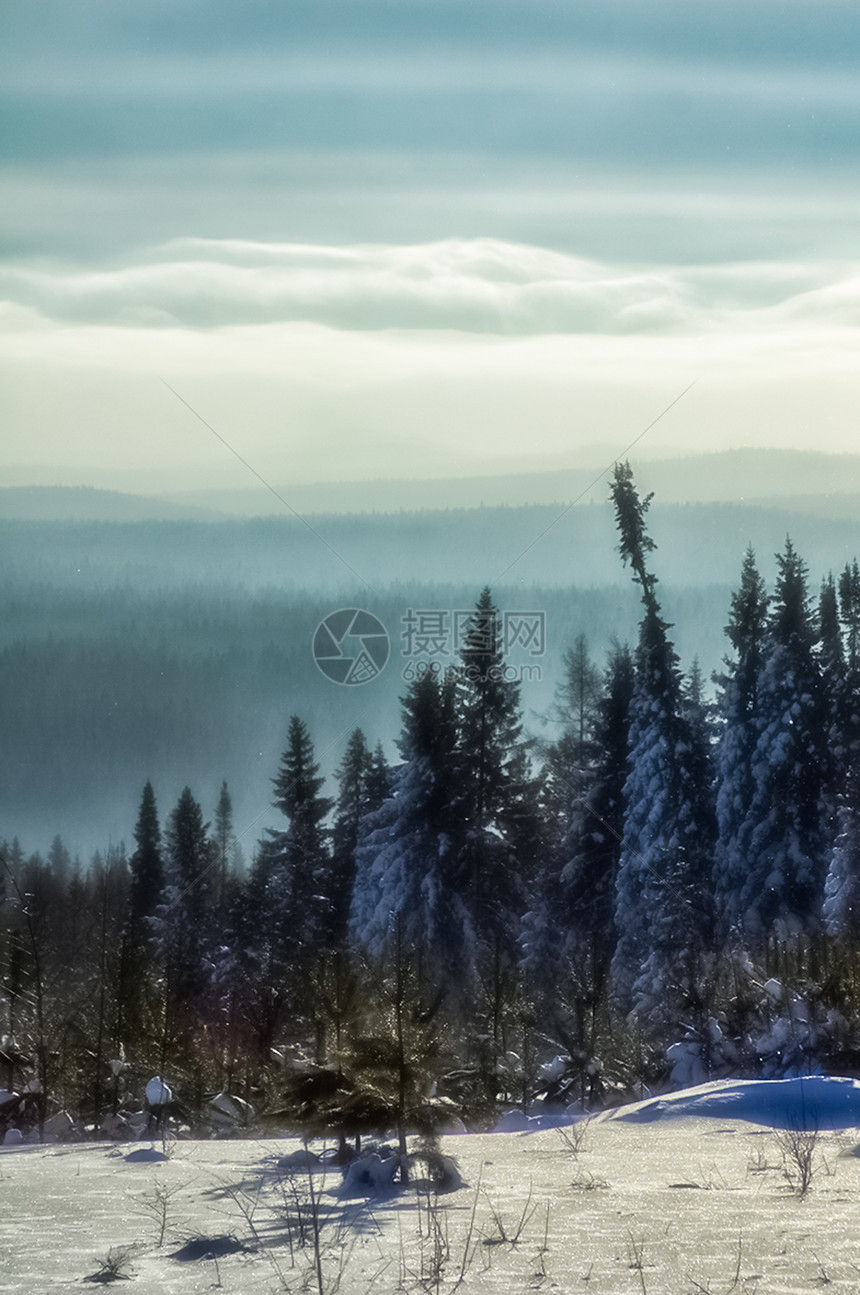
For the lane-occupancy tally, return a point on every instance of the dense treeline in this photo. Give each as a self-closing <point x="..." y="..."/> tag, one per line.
<point x="669" y="890"/>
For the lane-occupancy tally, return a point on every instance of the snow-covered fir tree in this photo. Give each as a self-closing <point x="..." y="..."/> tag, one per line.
<point x="663" y="909"/>
<point x="567" y="761"/>
<point x="363" y="786"/>
<point x="296" y="861"/>
<point x="571" y="941"/>
<point x="496" y="805"/>
<point x="849" y="619"/>
<point x="407" y="861"/>
<point x="841" y="910"/>
<point x="740" y="728"/>
<point x="180" y="919"/>
<point x="787" y="838"/>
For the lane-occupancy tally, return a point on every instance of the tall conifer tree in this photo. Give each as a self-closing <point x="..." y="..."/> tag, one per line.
<point x="740" y="728"/>
<point x="407" y="860"/>
<point x="147" y="865"/>
<point x="353" y="804"/>
<point x="300" y="856"/>
<point x="498" y="845"/>
<point x="663" y="910"/>
<point x="787" y="855"/>
<point x="182" y="914"/>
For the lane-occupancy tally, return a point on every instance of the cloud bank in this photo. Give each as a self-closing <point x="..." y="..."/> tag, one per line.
<point x="324" y="362"/>
<point x="482" y="286"/>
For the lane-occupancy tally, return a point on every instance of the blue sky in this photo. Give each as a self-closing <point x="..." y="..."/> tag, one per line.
<point x="409" y="238"/>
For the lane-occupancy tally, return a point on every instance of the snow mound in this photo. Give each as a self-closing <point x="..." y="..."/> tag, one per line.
<point x="370" y="1172"/>
<point x="809" y="1102"/>
<point x="145" y="1156"/>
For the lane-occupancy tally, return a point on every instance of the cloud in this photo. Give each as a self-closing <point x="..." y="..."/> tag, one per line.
<point x="481" y="287"/>
<point x="320" y="362"/>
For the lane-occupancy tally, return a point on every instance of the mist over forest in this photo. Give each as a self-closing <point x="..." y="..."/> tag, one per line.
<point x="175" y="645"/>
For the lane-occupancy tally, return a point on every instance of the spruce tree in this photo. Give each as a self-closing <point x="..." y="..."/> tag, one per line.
<point x="59" y="861"/>
<point x="407" y="861"/>
<point x="352" y="805"/>
<point x="740" y="728"/>
<point x="841" y="909"/>
<point x="849" y="618"/>
<point x="595" y="841"/>
<point x="563" y="787"/>
<point x="147" y="866"/>
<point x="571" y="940"/>
<point x="377" y="780"/>
<point x="300" y="855"/>
<point x="849" y="613"/>
<point x="181" y="917"/>
<point x="663" y="909"/>
<point x="787" y="854"/>
<point x="569" y="760"/>
<point x="497" y="808"/>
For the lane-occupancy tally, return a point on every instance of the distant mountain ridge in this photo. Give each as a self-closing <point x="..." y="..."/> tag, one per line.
<point x="730" y="476"/>
<point x="767" y="477"/>
<point x="91" y="504"/>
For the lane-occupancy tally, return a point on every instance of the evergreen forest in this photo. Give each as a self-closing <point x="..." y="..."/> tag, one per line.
<point x="664" y="890"/>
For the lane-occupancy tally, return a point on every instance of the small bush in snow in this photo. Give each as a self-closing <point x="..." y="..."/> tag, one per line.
<point x="798" y="1149"/>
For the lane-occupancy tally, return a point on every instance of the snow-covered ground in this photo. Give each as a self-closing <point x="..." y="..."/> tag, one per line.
<point x="685" y="1193"/>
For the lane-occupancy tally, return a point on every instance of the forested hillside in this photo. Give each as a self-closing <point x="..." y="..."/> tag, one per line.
<point x="664" y="887"/>
<point x="176" y="650"/>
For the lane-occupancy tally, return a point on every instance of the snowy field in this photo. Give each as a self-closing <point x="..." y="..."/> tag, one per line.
<point x="698" y="1191"/>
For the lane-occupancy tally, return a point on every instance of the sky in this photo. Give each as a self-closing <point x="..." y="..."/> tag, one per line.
<point x="348" y="239"/>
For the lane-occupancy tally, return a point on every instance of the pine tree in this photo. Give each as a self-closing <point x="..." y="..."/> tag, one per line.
<point x="595" y="841"/>
<point x="407" y="861"/>
<point x="849" y="617"/>
<point x="741" y="724"/>
<point x="569" y="760"/>
<point x="59" y="861"/>
<point x="499" y="848"/>
<point x="663" y="909"/>
<point x="786" y="859"/>
<point x="378" y="780"/>
<point x="570" y="943"/>
<point x="849" y="612"/>
<point x="841" y="910"/>
<point x="836" y="703"/>
<point x="181" y="917"/>
<point x="351" y="807"/>
<point x="301" y="855"/>
<point x="147" y="867"/>
<point x="563" y="789"/>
